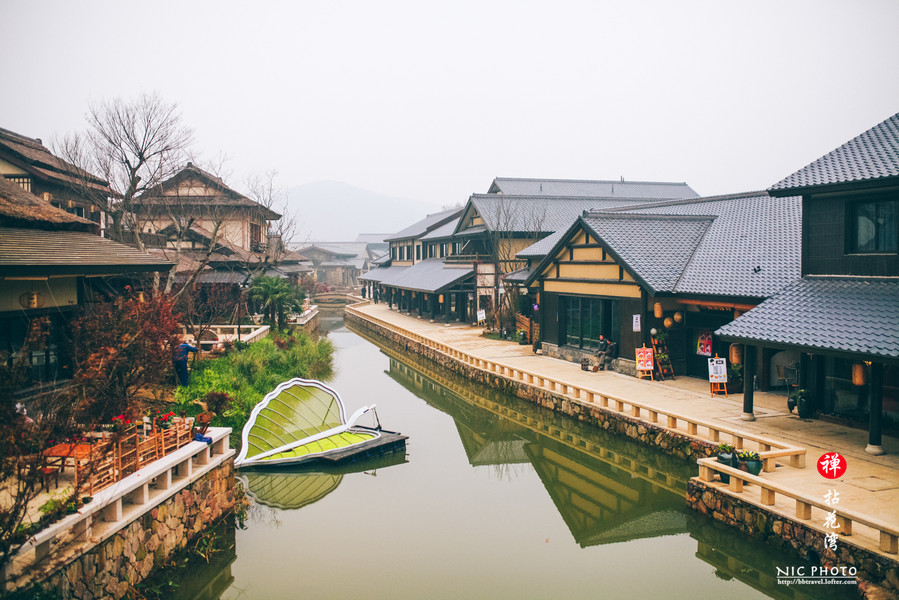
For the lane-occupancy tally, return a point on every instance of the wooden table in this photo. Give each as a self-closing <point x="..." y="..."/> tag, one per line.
<point x="64" y="452"/>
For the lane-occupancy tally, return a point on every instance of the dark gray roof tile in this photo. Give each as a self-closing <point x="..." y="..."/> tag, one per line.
<point x="872" y="155"/>
<point x="827" y="313"/>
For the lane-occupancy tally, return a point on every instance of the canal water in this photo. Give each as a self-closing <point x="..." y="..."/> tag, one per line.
<point x="494" y="498"/>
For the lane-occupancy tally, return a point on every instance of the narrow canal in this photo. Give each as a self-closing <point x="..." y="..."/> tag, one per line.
<point x="495" y="498"/>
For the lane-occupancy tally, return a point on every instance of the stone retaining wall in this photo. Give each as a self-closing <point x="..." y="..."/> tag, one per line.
<point x="113" y="567"/>
<point x="668" y="441"/>
<point x="784" y="532"/>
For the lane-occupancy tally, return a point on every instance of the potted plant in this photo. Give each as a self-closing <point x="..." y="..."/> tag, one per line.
<point x="751" y="460"/>
<point x="725" y="457"/>
<point x="800" y="400"/>
<point x="522" y="337"/>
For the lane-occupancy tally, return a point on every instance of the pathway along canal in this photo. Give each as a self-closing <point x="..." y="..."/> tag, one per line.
<point x="497" y="498"/>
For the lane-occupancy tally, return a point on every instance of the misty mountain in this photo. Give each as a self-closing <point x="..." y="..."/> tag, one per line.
<point x="331" y="211"/>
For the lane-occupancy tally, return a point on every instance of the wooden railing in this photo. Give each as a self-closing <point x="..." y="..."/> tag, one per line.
<point x="804" y="504"/>
<point x="115" y="507"/>
<point x="111" y="461"/>
<point x="772" y="451"/>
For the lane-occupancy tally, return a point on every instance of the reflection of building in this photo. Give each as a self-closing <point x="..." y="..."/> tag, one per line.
<point x="606" y="488"/>
<point x="841" y="320"/>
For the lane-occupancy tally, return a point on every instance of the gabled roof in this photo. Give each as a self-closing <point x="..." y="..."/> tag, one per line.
<point x="30" y="155"/>
<point x="746" y="245"/>
<point x="19" y="208"/>
<point x="752" y="248"/>
<point x="372" y="238"/>
<point x="213" y="193"/>
<point x="382" y="274"/>
<point x="588" y="187"/>
<point x="656" y="248"/>
<point x="871" y="156"/>
<point x="38" y="252"/>
<point x="427" y="224"/>
<point x="839" y="314"/>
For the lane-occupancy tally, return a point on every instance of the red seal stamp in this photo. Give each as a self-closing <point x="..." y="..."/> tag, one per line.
<point x="832" y="465"/>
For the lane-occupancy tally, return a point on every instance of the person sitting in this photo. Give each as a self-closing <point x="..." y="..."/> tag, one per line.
<point x="610" y="354"/>
<point x="601" y="350"/>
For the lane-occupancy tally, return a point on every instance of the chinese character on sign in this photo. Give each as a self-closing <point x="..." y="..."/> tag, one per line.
<point x="832" y="497"/>
<point x="830" y="541"/>
<point x="832" y="465"/>
<point x="830" y="521"/>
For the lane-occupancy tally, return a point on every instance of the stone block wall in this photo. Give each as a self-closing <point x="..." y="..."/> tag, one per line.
<point x="113" y="567"/>
<point x="878" y="576"/>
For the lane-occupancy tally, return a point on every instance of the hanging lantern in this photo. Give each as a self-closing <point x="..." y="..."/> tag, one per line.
<point x="858" y="374"/>
<point x="440" y="298"/>
<point x="736" y="354"/>
<point x="678" y="317"/>
<point x="657" y="310"/>
<point x="668" y="322"/>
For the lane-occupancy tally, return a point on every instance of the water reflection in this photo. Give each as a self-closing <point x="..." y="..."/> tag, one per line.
<point x="606" y="488"/>
<point x="290" y="489"/>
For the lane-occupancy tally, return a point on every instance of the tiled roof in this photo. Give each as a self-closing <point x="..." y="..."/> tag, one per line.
<point x="596" y="188"/>
<point x="872" y="155"/>
<point x="656" y="247"/>
<point x="341" y="249"/>
<point x="382" y="274"/>
<point x="39" y="252"/>
<point x="430" y="275"/>
<point x="19" y="208"/>
<point x="859" y="316"/>
<point x="444" y="231"/>
<point x="519" y="276"/>
<point x="542" y="247"/>
<point x="502" y="212"/>
<point x="170" y="194"/>
<point x="425" y="225"/>
<point x="751" y="249"/>
<point x="45" y="165"/>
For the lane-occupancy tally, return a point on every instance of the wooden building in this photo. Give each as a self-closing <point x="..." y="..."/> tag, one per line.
<point x="27" y="163"/>
<point x="840" y="322"/>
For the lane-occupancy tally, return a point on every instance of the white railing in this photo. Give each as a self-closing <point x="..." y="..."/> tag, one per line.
<point x="306" y="316"/>
<point x="770" y="449"/>
<point x="114" y="507"/>
<point x="804" y="504"/>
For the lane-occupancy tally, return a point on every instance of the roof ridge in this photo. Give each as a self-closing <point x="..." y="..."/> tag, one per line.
<point x="591" y="180"/>
<point x="648" y="216"/>
<point x="35" y="142"/>
<point x="681" y="202"/>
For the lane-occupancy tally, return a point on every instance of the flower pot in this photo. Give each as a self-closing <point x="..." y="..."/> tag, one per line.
<point x="804" y="407"/>
<point x="725" y="458"/>
<point x="754" y="466"/>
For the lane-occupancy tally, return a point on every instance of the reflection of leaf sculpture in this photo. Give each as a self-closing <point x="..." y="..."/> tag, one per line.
<point x="300" y="419"/>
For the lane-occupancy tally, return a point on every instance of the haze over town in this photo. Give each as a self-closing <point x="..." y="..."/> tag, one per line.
<point x="429" y="103"/>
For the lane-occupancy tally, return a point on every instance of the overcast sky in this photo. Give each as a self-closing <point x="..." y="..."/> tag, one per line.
<point x="432" y="100"/>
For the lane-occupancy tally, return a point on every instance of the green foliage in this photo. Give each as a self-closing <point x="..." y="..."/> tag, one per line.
<point x="247" y="376"/>
<point x="276" y="297"/>
<point x="724" y="449"/>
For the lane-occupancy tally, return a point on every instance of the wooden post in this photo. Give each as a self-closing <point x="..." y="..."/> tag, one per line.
<point x="748" y="380"/>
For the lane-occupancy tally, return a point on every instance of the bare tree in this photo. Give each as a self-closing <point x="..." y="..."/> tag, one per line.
<point x="516" y="225"/>
<point x="134" y="144"/>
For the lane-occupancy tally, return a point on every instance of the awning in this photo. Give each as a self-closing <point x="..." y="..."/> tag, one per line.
<point x="432" y="275"/>
<point x="833" y="315"/>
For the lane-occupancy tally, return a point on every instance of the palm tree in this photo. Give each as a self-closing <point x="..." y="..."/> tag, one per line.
<point x="275" y="296"/>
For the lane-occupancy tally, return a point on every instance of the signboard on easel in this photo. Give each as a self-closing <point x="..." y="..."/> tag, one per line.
<point x="644" y="362"/>
<point x="718" y="375"/>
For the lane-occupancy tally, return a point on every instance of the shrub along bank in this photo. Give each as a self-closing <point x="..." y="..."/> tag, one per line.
<point x="246" y="376"/>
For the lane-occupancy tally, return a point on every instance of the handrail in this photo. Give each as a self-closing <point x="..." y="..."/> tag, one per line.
<point x="108" y="511"/>
<point x="769" y="448"/>
<point x="889" y="534"/>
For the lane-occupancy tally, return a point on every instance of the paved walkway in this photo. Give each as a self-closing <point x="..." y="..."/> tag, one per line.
<point x="870" y="485"/>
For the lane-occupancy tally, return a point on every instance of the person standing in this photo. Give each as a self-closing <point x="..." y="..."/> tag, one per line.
<point x="180" y="361"/>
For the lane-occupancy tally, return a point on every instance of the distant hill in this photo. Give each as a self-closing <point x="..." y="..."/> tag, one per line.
<point x="331" y="211"/>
